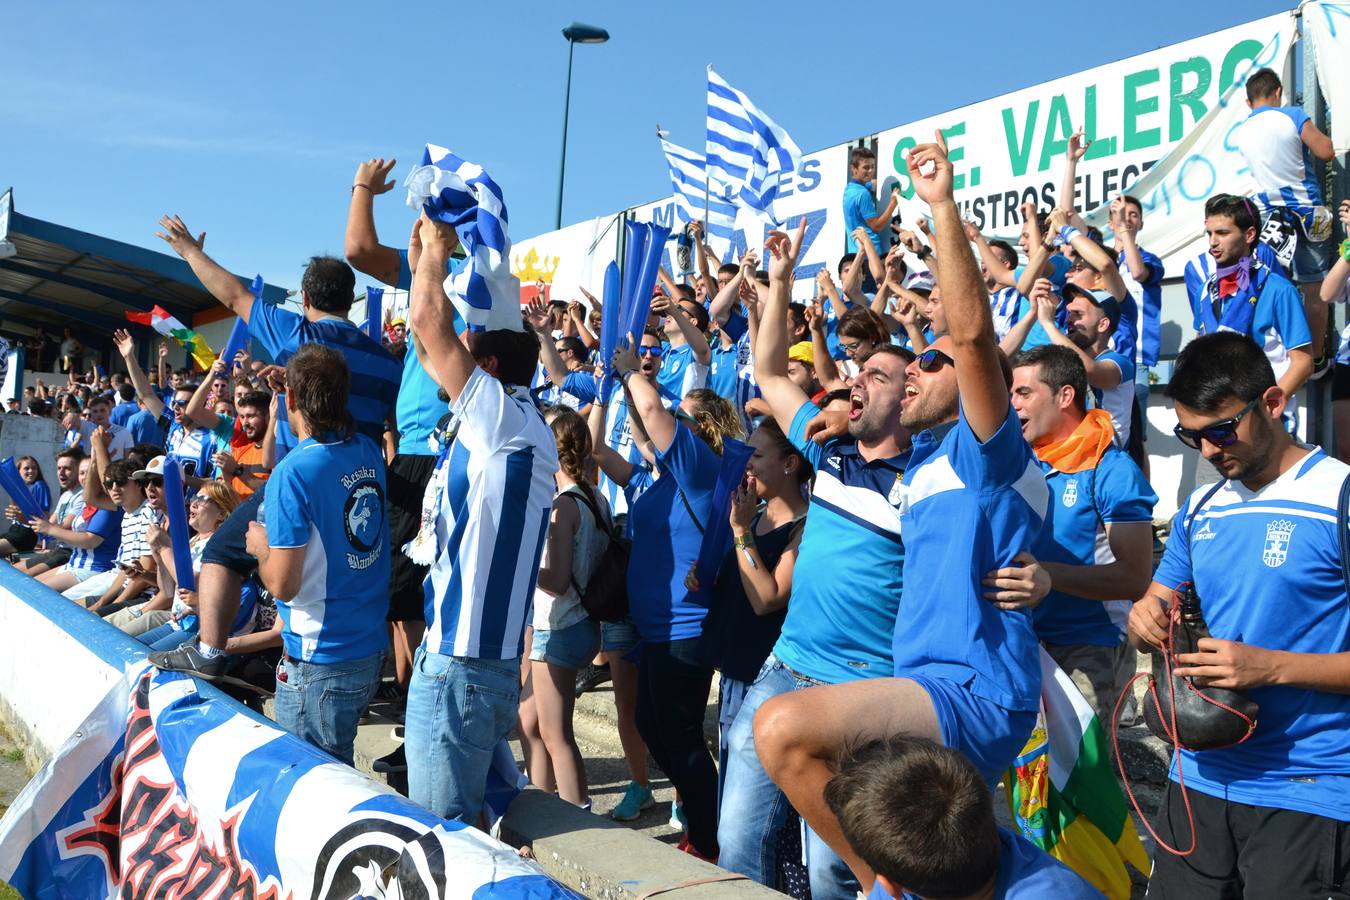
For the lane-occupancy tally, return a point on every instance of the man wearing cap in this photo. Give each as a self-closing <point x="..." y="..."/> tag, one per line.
<point x="801" y="370"/>
<point x="1092" y="317"/>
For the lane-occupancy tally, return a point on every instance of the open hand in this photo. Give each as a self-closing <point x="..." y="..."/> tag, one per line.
<point x="373" y="172"/>
<point x="178" y="236"/>
<point x="124" y="344"/>
<point x="783" y="252"/>
<point x="1229" y="664"/>
<point x="1022" y="586"/>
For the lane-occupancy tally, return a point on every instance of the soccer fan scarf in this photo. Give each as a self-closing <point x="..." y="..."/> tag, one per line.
<point x="1083" y="449"/>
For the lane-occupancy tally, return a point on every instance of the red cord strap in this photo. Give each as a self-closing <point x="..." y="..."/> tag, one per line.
<point x="1169" y="658"/>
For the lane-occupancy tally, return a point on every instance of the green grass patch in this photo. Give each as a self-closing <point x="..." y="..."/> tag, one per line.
<point x="14" y="755"/>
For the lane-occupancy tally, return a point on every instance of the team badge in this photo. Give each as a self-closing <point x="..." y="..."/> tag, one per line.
<point x="897" y="490"/>
<point x="1278" y="535"/>
<point x="1070" y="492"/>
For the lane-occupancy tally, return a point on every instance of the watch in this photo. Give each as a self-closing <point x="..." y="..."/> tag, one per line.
<point x="745" y="540"/>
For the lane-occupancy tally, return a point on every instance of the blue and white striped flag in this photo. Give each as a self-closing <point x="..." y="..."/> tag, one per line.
<point x="746" y="150"/>
<point x="461" y="194"/>
<point x="688" y="176"/>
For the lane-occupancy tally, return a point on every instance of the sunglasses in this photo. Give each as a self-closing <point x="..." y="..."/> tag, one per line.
<point x="654" y="352"/>
<point x="931" y="360"/>
<point x="850" y="346"/>
<point x="109" y="485"/>
<point x="1221" y="434"/>
<point x="180" y="404"/>
<point x="157" y="482"/>
<point x="200" y="501"/>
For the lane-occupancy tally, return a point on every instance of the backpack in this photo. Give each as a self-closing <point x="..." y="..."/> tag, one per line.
<point x="605" y="595"/>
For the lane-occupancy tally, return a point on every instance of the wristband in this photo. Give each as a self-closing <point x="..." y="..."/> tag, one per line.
<point x="744" y="541"/>
<point x="1345" y="249"/>
<point x="624" y="376"/>
<point x="366" y="186"/>
<point x="1067" y="234"/>
<point x="924" y="252"/>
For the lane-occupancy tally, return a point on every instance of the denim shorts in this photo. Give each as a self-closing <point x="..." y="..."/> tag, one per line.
<point x="322" y="702"/>
<point x="989" y="735"/>
<point x="618" y="637"/>
<point x="571" y="647"/>
<point x="226" y="545"/>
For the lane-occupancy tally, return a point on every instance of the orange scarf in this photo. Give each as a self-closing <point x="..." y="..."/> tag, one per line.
<point x="1083" y="449"/>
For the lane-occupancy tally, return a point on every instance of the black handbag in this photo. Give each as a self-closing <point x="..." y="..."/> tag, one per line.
<point x="605" y="595"/>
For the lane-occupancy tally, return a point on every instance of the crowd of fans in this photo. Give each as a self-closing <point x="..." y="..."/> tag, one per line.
<point x="946" y="473"/>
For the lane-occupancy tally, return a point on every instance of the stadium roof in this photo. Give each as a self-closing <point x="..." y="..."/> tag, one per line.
<point x="53" y="276"/>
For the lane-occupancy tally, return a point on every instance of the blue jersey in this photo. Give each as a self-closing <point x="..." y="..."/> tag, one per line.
<point x="1147" y="312"/>
<point x="419" y="405"/>
<point x="970" y="507"/>
<point x="375" y="374"/>
<point x="577" y="392"/>
<point x="106" y="523"/>
<point x="192" y="447"/>
<point x="122" y="412"/>
<point x="1267" y="567"/>
<point x="329" y="498"/>
<point x="42" y="495"/>
<point x="619" y="438"/>
<point x="838" y="629"/>
<point x="1025" y="872"/>
<point x="145" y="429"/>
<point x="491" y="493"/>
<point x="1118" y="400"/>
<point x="680" y="373"/>
<point x="666" y="539"/>
<point x="1269" y="311"/>
<point x="859" y="206"/>
<point x="1081" y="506"/>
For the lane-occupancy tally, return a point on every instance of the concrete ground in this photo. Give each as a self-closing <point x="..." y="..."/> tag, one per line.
<point x="14" y="775"/>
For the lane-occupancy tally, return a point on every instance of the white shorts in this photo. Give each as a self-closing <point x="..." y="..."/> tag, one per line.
<point x="90" y="584"/>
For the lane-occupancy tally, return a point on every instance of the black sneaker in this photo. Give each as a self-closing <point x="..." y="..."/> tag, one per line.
<point x="592" y="677"/>
<point x="188" y="658"/>
<point x="391" y="762"/>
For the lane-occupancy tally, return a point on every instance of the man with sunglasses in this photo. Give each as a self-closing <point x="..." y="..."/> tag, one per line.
<point x="618" y="424"/>
<point x="966" y="659"/>
<point x="1262" y="549"/>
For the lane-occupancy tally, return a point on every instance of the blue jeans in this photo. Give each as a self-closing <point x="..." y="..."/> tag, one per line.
<point x="754" y="809"/>
<point x="322" y="702"/>
<point x="459" y="709"/>
<point x="166" y="637"/>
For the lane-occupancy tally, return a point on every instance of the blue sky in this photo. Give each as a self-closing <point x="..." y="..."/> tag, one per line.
<point x="248" y="119"/>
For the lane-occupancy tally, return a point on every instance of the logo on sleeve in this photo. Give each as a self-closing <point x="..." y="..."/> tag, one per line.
<point x="1278" y="535"/>
<point x="363" y="517"/>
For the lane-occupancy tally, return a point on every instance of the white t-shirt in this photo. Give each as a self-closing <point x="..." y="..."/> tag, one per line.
<point x="554" y="612"/>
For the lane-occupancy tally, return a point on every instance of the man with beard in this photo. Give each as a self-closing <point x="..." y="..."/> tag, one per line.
<point x="1262" y="550"/>
<point x="836" y="629"/>
<point x="966" y="670"/>
<point x="1091" y="318"/>
<point x="243" y="433"/>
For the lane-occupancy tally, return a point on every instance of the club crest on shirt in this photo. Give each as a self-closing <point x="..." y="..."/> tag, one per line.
<point x="1278" y="536"/>
<point x="1070" y="497"/>
<point x="363" y="517"/>
<point x="897" y="494"/>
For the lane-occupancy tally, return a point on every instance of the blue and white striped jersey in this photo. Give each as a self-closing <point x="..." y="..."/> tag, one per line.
<point x="1271" y="143"/>
<point x="495" y="491"/>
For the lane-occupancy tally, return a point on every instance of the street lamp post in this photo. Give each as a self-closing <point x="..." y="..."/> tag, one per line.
<point x="576" y="33"/>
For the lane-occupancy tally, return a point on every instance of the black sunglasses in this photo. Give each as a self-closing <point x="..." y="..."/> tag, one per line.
<point x="1222" y="433"/>
<point x="931" y="360"/>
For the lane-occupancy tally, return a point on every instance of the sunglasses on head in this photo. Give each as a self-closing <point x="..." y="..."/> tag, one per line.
<point x="931" y="360"/>
<point x="1222" y="433"/>
<point x="654" y="352"/>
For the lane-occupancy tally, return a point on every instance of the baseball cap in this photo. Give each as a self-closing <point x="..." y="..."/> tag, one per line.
<point x="802" y="352"/>
<point x="153" y="469"/>
<point x="1100" y="299"/>
<point x="919" y="281"/>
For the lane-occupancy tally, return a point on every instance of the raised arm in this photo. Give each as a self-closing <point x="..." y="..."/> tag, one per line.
<point x="719" y="310"/>
<point x="644" y="400"/>
<point x="865" y="246"/>
<point x="554" y="367"/>
<point x="154" y="403"/>
<point x="1134" y="260"/>
<point x="447" y="359"/>
<point x="993" y="263"/>
<point x="361" y="245"/>
<point x="1092" y="252"/>
<point x="1078" y="145"/>
<point x="827" y="371"/>
<point x="771" y="349"/>
<point x="1319" y="145"/>
<point x="879" y="221"/>
<point x="825" y="284"/>
<point x="979" y="374"/>
<point x="1017" y="335"/>
<point x="576" y="313"/>
<point x="697" y="342"/>
<point x="1037" y="256"/>
<point x="851" y="283"/>
<point x="94" y="493"/>
<point x="616" y="468"/>
<point x="221" y="284"/>
<point x="1100" y="374"/>
<point x="198" y="410"/>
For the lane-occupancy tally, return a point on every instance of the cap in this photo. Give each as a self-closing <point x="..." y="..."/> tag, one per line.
<point x="802" y="352"/>
<point x="919" y="281"/>
<point x="398" y="320"/>
<point x="1100" y="299"/>
<point x="154" y="469"/>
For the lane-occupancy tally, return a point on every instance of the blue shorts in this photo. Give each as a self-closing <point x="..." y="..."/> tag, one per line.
<point x="989" y="735"/>
<point x="226" y="546"/>
<point x="618" y="637"/>
<point x="571" y="647"/>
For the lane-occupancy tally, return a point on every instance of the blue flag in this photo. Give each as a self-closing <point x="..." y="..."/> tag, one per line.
<point x="717" y="531"/>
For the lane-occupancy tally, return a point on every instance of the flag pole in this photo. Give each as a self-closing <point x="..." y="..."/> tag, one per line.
<point x="705" y="172"/>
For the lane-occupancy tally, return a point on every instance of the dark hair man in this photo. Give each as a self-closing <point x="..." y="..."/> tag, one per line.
<point x="1098" y="499"/>
<point x="570" y="382"/>
<point x="1279" y="143"/>
<point x="100" y="413"/>
<point x="923" y="820"/>
<point x="1246" y="296"/>
<point x="127" y="407"/>
<point x="493" y="494"/>
<point x="240" y="437"/>
<point x="967" y="672"/>
<point x="860" y="206"/>
<point x="1262" y="550"/>
<point x="326" y="296"/>
<point x="324" y="555"/>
